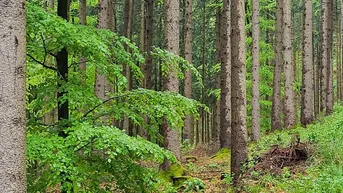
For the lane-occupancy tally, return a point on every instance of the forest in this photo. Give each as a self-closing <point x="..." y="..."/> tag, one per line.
<point x="169" y="96"/>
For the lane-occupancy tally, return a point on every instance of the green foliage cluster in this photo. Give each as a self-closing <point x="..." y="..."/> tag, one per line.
<point x="325" y="174"/>
<point x="93" y="157"/>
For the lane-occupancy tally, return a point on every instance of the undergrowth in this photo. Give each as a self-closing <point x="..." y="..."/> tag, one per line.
<point x="325" y="166"/>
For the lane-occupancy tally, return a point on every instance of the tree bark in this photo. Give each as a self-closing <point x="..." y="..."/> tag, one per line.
<point x="256" y="128"/>
<point x="225" y="82"/>
<point x="307" y="69"/>
<point x="290" y="102"/>
<point x="12" y="96"/>
<point x="324" y="57"/>
<point x="171" y="83"/>
<point x="148" y="41"/>
<point x="83" y="21"/>
<point x="239" y="149"/>
<point x="330" y="94"/>
<point x="276" y="100"/>
<point x="189" y="126"/>
<point x="51" y="4"/>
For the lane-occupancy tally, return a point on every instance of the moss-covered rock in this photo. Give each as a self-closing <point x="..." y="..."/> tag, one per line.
<point x="175" y="170"/>
<point x="223" y="154"/>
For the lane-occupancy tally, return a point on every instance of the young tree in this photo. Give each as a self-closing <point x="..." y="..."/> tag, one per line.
<point x="290" y="102"/>
<point x="239" y="138"/>
<point x="189" y="127"/>
<point x="225" y="82"/>
<point x="12" y="96"/>
<point x="276" y="101"/>
<point x="256" y="129"/>
<point x="307" y="68"/>
<point x="171" y="83"/>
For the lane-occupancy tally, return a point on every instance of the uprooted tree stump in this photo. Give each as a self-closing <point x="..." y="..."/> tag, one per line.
<point x="293" y="157"/>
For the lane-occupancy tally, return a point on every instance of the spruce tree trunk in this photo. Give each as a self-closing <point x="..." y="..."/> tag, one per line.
<point x="203" y="60"/>
<point x="239" y="149"/>
<point x="225" y="82"/>
<point x="171" y="83"/>
<point x="148" y="41"/>
<point x="324" y="57"/>
<point x="307" y="69"/>
<point x="317" y="85"/>
<point x="83" y="21"/>
<point x="290" y="102"/>
<point x="188" y="132"/>
<point x="256" y="129"/>
<point x="330" y="94"/>
<point x="276" y="101"/>
<point x="12" y="96"/>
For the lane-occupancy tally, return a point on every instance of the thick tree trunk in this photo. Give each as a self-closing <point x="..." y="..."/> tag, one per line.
<point x="188" y="132"/>
<point x="225" y="82"/>
<point x="276" y="101"/>
<point x="290" y="102"/>
<point x="171" y="83"/>
<point x="307" y="69"/>
<point x="239" y="149"/>
<point x="12" y="96"/>
<point x="256" y="128"/>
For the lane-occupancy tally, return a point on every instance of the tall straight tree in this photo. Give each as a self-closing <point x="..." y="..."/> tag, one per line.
<point x="239" y="138"/>
<point x="256" y="128"/>
<point x="329" y="97"/>
<point x="216" y="110"/>
<point x="148" y="43"/>
<point x="324" y="57"/>
<point x="290" y="102"/>
<point x="189" y="127"/>
<point x="12" y="96"/>
<point x="83" y="21"/>
<point x="307" y="68"/>
<point x="225" y="82"/>
<point x="171" y="83"/>
<point x="276" y="101"/>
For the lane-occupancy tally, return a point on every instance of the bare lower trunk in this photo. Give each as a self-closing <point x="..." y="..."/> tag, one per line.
<point x="290" y="102"/>
<point x="324" y="57"/>
<point x="330" y="94"/>
<point x="171" y="83"/>
<point x="256" y="129"/>
<point x="189" y="127"/>
<point x="307" y="69"/>
<point x="225" y="83"/>
<point x="276" y="101"/>
<point x="239" y="149"/>
<point x="12" y="96"/>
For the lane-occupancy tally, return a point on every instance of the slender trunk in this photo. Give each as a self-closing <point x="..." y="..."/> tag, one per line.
<point x="51" y="4"/>
<point x="239" y="149"/>
<point x="171" y="83"/>
<point x="12" y="96"/>
<point x="189" y="127"/>
<point x="317" y="85"/>
<point x="225" y="82"/>
<point x="330" y="94"/>
<point x="83" y="21"/>
<point x="307" y="69"/>
<point x="339" y="57"/>
<point x="324" y="57"/>
<point x="216" y="111"/>
<point x="276" y="101"/>
<point x="256" y="129"/>
<point x="290" y="102"/>
<point x="148" y="40"/>
<point x="203" y="69"/>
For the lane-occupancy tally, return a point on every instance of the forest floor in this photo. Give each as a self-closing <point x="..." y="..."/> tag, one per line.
<point x="300" y="160"/>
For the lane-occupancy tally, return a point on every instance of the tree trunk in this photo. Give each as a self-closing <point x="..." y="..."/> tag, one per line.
<point x="329" y="97"/>
<point x="171" y="83"/>
<point x="256" y="129"/>
<point x="51" y="4"/>
<point x="317" y="85"/>
<point x="12" y="96"/>
<point x="203" y="69"/>
<point x="239" y="149"/>
<point x="225" y="82"/>
<point x="148" y="41"/>
<point x="216" y="111"/>
<point x="276" y="101"/>
<point x="189" y="126"/>
<point x="307" y="69"/>
<point x="83" y="21"/>
<point x="324" y="57"/>
<point x="290" y="102"/>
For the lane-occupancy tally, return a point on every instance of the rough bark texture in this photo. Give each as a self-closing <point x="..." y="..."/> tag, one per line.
<point x="307" y="69"/>
<point x="330" y="94"/>
<point x="324" y="57"/>
<point x="339" y="57"/>
<point x="188" y="132"/>
<point x="100" y="87"/>
<point x="148" y="42"/>
<point x="239" y="149"/>
<point x="83" y="21"/>
<point x="276" y="101"/>
<point x="128" y="11"/>
<point x="216" y="111"/>
<point x="317" y="84"/>
<point x="12" y="96"/>
<point x="203" y="69"/>
<point x="225" y="82"/>
<point x="341" y="47"/>
<point x="290" y="102"/>
<point x="171" y="83"/>
<point x="256" y="128"/>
